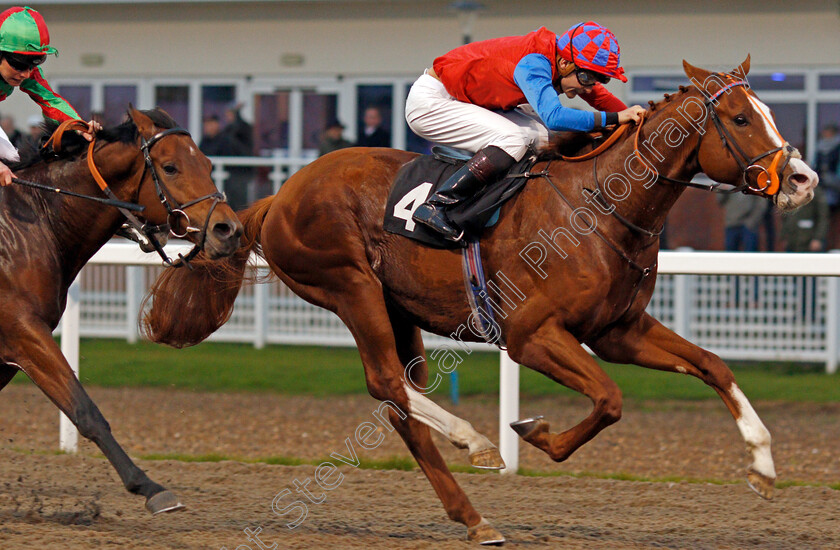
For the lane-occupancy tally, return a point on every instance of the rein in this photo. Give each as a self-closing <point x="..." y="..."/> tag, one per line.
<point x="609" y="142"/>
<point x="144" y="233"/>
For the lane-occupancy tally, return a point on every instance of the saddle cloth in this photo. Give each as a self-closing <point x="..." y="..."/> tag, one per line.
<point x="417" y="180"/>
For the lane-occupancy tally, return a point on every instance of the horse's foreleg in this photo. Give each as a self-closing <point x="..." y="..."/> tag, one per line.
<point x="363" y="310"/>
<point x="483" y="453"/>
<point x="416" y="435"/>
<point x="650" y="344"/>
<point x="558" y="355"/>
<point x="40" y="358"/>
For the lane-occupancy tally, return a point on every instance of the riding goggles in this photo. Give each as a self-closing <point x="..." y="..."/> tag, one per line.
<point x="590" y="78"/>
<point x="23" y="62"/>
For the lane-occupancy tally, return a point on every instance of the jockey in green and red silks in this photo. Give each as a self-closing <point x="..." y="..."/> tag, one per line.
<point x="24" y="45"/>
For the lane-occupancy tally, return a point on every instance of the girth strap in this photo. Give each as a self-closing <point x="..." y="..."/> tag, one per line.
<point x="479" y="300"/>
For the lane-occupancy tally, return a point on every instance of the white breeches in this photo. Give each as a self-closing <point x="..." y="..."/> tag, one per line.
<point x="7" y="150"/>
<point x="435" y="115"/>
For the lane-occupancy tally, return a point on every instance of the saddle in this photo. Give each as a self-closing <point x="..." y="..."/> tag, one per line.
<point x="418" y="179"/>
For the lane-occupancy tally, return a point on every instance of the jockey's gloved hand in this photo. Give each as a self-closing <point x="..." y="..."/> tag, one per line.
<point x="633" y="113"/>
<point x="93" y="127"/>
<point x="6" y="175"/>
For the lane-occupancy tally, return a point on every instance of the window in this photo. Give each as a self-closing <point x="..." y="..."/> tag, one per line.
<point x="216" y="99"/>
<point x="776" y="82"/>
<point x="175" y="100"/>
<point x="830" y="82"/>
<point x="318" y="110"/>
<point x="80" y="97"/>
<point x="271" y="122"/>
<point x="659" y="83"/>
<point x="115" y="102"/>
<point x="379" y="96"/>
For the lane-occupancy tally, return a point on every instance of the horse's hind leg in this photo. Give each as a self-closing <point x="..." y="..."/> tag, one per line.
<point x="419" y="441"/>
<point x="40" y="358"/>
<point x="650" y="344"/>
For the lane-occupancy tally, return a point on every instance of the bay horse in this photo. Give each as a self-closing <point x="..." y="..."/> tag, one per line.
<point x="572" y="261"/>
<point x="47" y="239"/>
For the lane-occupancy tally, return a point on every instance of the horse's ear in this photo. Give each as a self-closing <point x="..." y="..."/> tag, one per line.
<point x="144" y="124"/>
<point x="742" y="69"/>
<point x="697" y="75"/>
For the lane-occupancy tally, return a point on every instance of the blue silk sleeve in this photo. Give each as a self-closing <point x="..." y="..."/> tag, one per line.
<point x="533" y="76"/>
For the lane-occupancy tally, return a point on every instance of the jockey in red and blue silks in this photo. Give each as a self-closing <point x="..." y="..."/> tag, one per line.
<point x="25" y="44"/>
<point x="475" y="97"/>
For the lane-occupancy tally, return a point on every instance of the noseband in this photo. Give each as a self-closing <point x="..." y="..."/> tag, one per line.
<point x="174" y="210"/>
<point x="768" y="181"/>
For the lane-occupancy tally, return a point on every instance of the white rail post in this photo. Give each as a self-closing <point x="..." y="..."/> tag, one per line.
<point x="68" y="436"/>
<point x="260" y="313"/>
<point x="508" y="412"/>
<point x="134" y="289"/>
<point x="682" y="304"/>
<point x="682" y="300"/>
<point x="832" y="325"/>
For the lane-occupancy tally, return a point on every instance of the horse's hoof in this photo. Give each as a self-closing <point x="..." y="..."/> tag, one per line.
<point x="484" y="533"/>
<point x="488" y="459"/>
<point x="761" y="484"/>
<point x="529" y="426"/>
<point x="164" y="501"/>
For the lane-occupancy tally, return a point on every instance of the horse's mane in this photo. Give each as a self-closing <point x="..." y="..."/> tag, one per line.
<point x="73" y="145"/>
<point x="569" y="144"/>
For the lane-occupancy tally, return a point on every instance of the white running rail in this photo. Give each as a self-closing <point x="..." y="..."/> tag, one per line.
<point x="699" y="294"/>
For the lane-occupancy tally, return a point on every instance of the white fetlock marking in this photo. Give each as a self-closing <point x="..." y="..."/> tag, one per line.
<point x="458" y="431"/>
<point x="756" y="436"/>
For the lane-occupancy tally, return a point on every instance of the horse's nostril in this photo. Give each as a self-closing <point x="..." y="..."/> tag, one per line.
<point x="799" y="179"/>
<point x="223" y="230"/>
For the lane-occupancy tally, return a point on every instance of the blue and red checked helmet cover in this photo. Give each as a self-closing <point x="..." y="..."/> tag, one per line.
<point x="593" y="47"/>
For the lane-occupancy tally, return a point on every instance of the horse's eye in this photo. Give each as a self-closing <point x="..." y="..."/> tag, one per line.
<point x="170" y="169"/>
<point x="740" y="120"/>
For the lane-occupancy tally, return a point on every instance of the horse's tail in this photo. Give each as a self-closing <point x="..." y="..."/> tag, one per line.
<point x="188" y="305"/>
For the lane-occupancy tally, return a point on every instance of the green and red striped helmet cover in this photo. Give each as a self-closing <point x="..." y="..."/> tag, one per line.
<point x="23" y="31"/>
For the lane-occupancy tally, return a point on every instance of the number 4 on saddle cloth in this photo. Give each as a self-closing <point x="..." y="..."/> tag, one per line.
<point x="417" y="180"/>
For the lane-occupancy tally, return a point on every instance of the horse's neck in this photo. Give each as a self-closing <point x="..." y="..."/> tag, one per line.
<point x="82" y="227"/>
<point x="667" y="143"/>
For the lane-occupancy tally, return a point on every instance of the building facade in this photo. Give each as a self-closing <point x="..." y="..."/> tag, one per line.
<point x="295" y="64"/>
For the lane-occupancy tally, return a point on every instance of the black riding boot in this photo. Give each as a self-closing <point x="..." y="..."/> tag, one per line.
<point x="485" y="166"/>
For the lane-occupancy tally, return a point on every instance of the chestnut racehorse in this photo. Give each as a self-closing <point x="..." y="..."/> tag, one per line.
<point x="572" y="261"/>
<point x="47" y="239"/>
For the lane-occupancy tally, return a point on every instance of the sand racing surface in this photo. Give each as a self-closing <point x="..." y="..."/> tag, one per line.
<point x="49" y="500"/>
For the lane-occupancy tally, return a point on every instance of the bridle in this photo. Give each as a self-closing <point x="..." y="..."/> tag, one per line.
<point x="140" y="231"/>
<point x="174" y="210"/>
<point x="768" y="181"/>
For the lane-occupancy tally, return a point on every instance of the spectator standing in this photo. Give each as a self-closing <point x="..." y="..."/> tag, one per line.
<point x="213" y="143"/>
<point x="374" y="134"/>
<point x="7" y="123"/>
<point x="238" y="137"/>
<point x="743" y="215"/>
<point x="827" y="164"/>
<point x="32" y="139"/>
<point x="333" y="138"/>
<point x="806" y="228"/>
